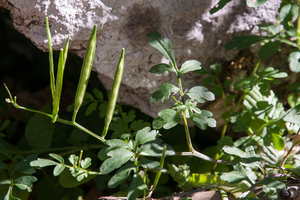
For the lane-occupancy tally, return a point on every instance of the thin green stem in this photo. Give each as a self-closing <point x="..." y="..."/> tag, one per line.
<point x="71" y="123"/>
<point x="256" y="67"/>
<point x="298" y="26"/>
<point x="193" y="152"/>
<point x="289" y="43"/>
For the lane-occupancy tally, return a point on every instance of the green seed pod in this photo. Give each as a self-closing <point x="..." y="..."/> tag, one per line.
<point x="85" y="72"/>
<point x="114" y="93"/>
<point x="52" y="80"/>
<point x="59" y="80"/>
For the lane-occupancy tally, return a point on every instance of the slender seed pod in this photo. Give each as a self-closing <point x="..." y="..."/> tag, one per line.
<point x="59" y="80"/>
<point x="114" y="93"/>
<point x="52" y="80"/>
<point x="85" y="72"/>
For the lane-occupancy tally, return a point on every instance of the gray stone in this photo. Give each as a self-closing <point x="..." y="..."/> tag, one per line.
<point x="194" y="32"/>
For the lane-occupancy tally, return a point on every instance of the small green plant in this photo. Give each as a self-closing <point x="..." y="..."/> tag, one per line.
<point x="132" y="150"/>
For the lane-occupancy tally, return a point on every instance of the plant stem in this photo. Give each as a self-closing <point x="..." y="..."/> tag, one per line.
<point x="13" y="101"/>
<point x="193" y="152"/>
<point x="298" y="26"/>
<point x="256" y="66"/>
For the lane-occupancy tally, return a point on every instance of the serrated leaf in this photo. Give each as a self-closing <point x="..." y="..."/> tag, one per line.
<point x="255" y="3"/>
<point x="138" y="125"/>
<point x="145" y="135"/>
<point x="98" y="93"/>
<point x="58" y="169"/>
<point x="24" y="165"/>
<point x="118" y="158"/>
<point x="168" y="118"/>
<point x="164" y="92"/>
<point x="294" y="62"/>
<point x="242" y="42"/>
<point x="190" y="65"/>
<point x="161" y="68"/>
<point x="57" y="157"/>
<point x="118" y="129"/>
<point x="204" y="119"/>
<point x="25" y="182"/>
<point x="200" y="94"/>
<point x="269" y="49"/>
<point x="39" y="132"/>
<point x="113" y="144"/>
<point x="164" y="46"/>
<point x="86" y="163"/>
<point x="121" y="175"/>
<point x="92" y="107"/>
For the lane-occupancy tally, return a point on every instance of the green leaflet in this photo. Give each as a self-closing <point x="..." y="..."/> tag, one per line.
<point x="164" y="92"/>
<point x="162" y="45"/>
<point x="200" y="94"/>
<point x="167" y="119"/>
<point x="294" y="61"/>
<point x="269" y="49"/>
<point x="161" y="68"/>
<point x="145" y="135"/>
<point x="204" y="119"/>
<point x="121" y="175"/>
<point x="118" y="158"/>
<point x="25" y="182"/>
<point x="190" y="65"/>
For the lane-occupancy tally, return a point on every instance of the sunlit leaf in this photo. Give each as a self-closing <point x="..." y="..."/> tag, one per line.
<point x="145" y="135"/>
<point x="190" y="65"/>
<point x="25" y="182"/>
<point x="255" y="3"/>
<point x="204" y="119"/>
<point x="200" y="94"/>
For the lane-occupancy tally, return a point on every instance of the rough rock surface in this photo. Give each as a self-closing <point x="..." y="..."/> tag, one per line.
<point x="194" y="32"/>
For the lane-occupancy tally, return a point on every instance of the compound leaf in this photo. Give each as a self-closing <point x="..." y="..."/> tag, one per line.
<point x="236" y="176"/>
<point x="41" y="162"/>
<point x="58" y="169"/>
